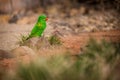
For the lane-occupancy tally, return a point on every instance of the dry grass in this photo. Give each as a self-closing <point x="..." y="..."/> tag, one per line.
<point x="98" y="62"/>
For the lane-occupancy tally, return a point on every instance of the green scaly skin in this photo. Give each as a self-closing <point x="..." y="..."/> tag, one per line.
<point x="39" y="27"/>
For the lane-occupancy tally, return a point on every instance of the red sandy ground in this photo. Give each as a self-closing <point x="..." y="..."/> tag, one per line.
<point x="73" y="43"/>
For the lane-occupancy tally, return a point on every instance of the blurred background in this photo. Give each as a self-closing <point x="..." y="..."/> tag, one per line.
<point x="55" y="8"/>
<point x="9" y="6"/>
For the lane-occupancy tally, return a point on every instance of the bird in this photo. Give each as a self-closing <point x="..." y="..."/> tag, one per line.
<point x="39" y="27"/>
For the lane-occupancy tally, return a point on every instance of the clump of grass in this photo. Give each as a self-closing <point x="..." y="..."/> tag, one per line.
<point x="104" y="55"/>
<point x="103" y="49"/>
<point x="23" y="40"/>
<point x="54" y="40"/>
<point x="42" y="69"/>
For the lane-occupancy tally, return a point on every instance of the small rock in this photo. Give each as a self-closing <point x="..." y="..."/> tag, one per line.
<point x="13" y="19"/>
<point x="82" y="10"/>
<point x="5" y="55"/>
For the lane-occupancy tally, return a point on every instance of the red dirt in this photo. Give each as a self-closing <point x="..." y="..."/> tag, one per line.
<point x="73" y="43"/>
<point x="76" y="42"/>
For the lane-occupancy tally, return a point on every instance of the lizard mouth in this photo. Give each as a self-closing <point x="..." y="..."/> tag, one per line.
<point x="46" y="19"/>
